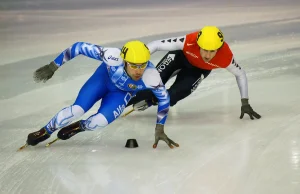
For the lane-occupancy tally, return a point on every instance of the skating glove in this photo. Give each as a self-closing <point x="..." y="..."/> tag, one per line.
<point x="45" y="73"/>
<point x="160" y="135"/>
<point x="142" y="105"/>
<point x="246" y="108"/>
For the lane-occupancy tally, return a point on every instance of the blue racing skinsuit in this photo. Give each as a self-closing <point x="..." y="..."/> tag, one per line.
<point x="109" y="83"/>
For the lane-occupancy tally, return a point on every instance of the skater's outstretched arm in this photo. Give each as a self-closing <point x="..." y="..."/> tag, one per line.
<point x="79" y="48"/>
<point x="241" y="77"/>
<point x="163" y="108"/>
<point x="168" y="44"/>
<point x="242" y="82"/>
<point x="153" y="82"/>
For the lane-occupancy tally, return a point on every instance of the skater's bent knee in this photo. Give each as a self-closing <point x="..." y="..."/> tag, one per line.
<point x="97" y="121"/>
<point x="77" y="110"/>
<point x="67" y="115"/>
<point x="177" y="94"/>
<point x="173" y="102"/>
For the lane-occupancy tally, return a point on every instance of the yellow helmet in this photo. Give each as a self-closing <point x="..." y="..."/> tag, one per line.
<point x="210" y="38"/>
<point x="135" y="52"/>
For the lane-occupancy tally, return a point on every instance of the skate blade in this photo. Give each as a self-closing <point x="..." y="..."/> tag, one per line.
<point x="128" y="113"/>
<point x="24" y="146"/>
<point x="51" y="142"/>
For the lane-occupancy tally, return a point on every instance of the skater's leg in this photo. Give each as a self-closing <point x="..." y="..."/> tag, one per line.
<point x="90" y="93"/>
<point x="171" y="63"/>
<point x="186" y="82"/>
<point x="112" y="106"/>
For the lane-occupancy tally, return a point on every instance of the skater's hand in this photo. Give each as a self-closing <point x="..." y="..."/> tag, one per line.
<point x="141" y="106"/>
<point x="246" y="108"/>
<point x="160" y="135"/>
<point x="45" y="73"/>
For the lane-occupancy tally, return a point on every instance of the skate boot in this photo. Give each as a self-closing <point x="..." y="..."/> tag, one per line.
<point x="69" y="131"/>
<point x="37" y="137"/>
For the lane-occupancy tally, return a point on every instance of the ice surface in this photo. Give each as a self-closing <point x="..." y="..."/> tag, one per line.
<point x="218" y="154"/>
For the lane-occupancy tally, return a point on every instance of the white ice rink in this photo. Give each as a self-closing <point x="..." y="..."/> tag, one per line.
<point x="218" y="153"/>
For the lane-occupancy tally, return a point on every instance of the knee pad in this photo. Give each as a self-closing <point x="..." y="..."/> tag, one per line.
<point x="97" y="121"/>
<point x="65" y="117"/>
<point x="70" y="114"/>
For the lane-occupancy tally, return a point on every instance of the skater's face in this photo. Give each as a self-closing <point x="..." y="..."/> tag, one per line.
<point x="207" y="55"/>
<point x="135" y="71"/>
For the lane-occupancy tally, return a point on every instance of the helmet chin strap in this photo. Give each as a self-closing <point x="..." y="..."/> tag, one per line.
<point x="126" y="66"/>
<point x="125" y="69"/>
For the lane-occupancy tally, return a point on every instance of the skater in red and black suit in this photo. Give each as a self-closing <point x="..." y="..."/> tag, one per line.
<point x="191" y="58"/>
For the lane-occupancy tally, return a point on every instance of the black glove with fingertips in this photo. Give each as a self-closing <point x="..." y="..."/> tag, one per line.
<point x="246" y="108"/>
<point x="45" y="73"/>
<point x="160" y="135"/>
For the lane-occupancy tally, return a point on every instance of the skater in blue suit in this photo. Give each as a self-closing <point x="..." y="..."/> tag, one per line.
<point x="121" y="75"/>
